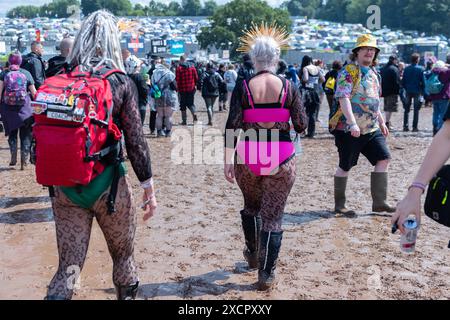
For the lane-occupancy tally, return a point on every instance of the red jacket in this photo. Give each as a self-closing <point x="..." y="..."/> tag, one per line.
<point x="186" y="77"/>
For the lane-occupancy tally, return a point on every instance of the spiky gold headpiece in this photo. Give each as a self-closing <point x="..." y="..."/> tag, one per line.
<point x="128" y="26"/>
<point x="278" y="34"/>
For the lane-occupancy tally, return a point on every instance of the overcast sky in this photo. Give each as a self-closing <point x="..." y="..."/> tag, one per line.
<point x="5" y="5"/>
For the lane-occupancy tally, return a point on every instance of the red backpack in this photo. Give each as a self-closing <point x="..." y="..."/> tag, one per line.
<point x="73" y="125"/>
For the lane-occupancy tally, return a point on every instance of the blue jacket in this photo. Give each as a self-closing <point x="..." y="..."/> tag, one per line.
<point x="293" y="74"/>
<point x="413" y="79"/>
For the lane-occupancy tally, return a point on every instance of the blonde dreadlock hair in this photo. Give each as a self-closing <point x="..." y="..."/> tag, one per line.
<point x="98" y="38"/>
<point x="264" y="44"/>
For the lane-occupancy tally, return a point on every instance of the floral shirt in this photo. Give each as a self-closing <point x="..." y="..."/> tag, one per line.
<point x="366" y="100"/>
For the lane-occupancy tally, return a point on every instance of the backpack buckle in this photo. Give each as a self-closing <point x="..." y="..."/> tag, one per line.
<point x="93" y="157"/>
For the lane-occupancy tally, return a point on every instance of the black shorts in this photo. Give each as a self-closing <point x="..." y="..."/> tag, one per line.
<point x="372" y="145"/>
<point x="186" y="100"/>
<point x="223" y="97"/>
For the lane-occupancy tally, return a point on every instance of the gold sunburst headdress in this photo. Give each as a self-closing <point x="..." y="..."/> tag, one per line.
<point x="129" y="26"/>
<point x="250" y="37"/>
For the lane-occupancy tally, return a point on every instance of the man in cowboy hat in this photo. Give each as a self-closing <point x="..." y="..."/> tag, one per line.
<point x="360" y="127"/>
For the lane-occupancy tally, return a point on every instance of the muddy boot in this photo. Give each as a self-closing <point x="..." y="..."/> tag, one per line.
<point x="378" y="189"/>
<point x="127" y="292"/>
<point x="269" y="248"/>
<point x="183" y="118"/>
<point x="23" y="160"/>
<point x="340" y="184"/>
<point x="252" y="228"/>
<point x="13" y="161"/>
<point x="194" y="116"/>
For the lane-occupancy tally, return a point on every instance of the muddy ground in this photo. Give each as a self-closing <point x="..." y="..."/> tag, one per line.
<point x="192" y="247"/>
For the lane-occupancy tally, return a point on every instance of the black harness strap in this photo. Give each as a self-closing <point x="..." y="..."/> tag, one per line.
<point x="111" y="200"/>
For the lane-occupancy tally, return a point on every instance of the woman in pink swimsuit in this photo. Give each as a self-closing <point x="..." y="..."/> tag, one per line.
<point x="257" y="131"/>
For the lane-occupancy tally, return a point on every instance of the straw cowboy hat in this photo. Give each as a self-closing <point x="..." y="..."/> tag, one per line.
<point x="366" y="40"/>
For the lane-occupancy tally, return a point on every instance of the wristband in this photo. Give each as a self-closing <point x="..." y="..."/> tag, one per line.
<point x="418" y="185"/>
<point x="147" y="184"/>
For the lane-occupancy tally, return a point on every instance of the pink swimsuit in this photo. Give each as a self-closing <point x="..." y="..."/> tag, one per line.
<point x="263" y="154"/>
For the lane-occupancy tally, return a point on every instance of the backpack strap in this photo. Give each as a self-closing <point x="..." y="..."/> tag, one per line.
<point x="355" y="73"/>
<point x="102" y="153"/>
<point x="105" y="72"/>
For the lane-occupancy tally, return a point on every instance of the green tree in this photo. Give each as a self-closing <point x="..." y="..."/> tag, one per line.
<point x="191" y="7"/>
<point x="58" y="8"/>
<point x="23" y="12"/>
<point x="430" y="15"/>
<point x="174" y="9"/>
<point x="392" y="14"/>
<point x="209" y="8"/>
<point x="302" y="7"/>
<point x="89" y="6"/>
<point x="229" y="22"/>
<point x="156" y="8"/>
<point x="117" y="7"/>
<point x="334" y="10"/>
<point x="357" y="11"/>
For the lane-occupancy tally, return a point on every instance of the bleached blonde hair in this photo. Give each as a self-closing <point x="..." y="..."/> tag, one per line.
<point x="98" y="38"/>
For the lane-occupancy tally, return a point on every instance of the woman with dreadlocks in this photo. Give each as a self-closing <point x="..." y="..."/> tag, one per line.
<point x="97" y="46"/>
<point x="265" y="166"/>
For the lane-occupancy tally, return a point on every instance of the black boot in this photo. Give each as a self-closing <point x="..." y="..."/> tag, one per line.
<point x="13" y="152"/>
<point x="252" y="228"/>
<point x="269" y="247"/>
<point x="127" y="292"/>
<point x="210" y="116"/>
<point x="183" y="118"/>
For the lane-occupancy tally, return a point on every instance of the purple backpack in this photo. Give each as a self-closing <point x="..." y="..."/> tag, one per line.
<point x="15" y="87"/>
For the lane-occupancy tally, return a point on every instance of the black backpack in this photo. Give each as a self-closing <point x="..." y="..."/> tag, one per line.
<point x="211" y="82"/>
<point x="437" y="202"/>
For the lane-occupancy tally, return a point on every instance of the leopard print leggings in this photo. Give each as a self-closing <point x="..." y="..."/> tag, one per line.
<point x="266" y="195"/>
<point x="73" y="229"/>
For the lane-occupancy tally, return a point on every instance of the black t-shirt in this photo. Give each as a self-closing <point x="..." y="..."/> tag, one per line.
<point x="56" y="65"/>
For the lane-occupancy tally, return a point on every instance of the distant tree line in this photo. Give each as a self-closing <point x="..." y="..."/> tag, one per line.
<point x="59" y="8"/>
<point x="431" y="16"/>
